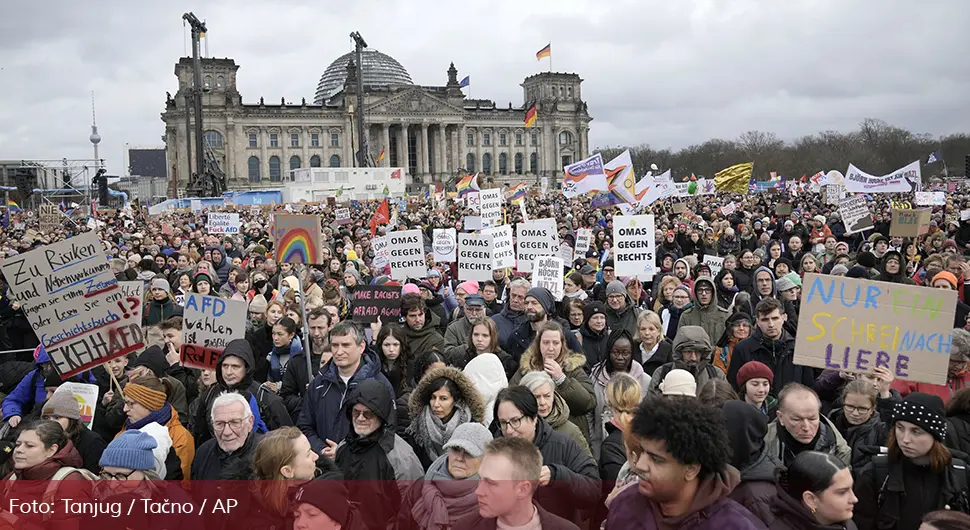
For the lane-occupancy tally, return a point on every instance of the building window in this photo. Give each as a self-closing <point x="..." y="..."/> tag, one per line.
<point x="294" y="162"/>
<point x="503" y="163"/>
<point x="275" y="175"/>
<point x="274" y="140"/>
<point x="294" y="139"/>
<point x="566" y="160"/>
<point x="253" y="141"/>
<point x="487" y="163"/>
<point x="470" y="139"/>
<point x="315" y="161"/>
<point x="253" y="169"/>
<point x="213" y="139"/>
<point x="565" y="138"/>
<point x="518" y="163"/>
<point x="470" y="162"/>
<point x="314" y="140"/>
<point x="518" y="138"/>
<point x="334" y="139"/>
<point x="208" y="81"/>
<point x="534" y="163"/>
<point x="502" y="139"/>
<point x="562" y="92"/>
<point x="486" y="139"/>
<point x="569" y="92"/>
<point x="334" y="161"/>
<point x="552" y="91"/>
<point x="535" y="138"/>
<point x="220" y="81"/>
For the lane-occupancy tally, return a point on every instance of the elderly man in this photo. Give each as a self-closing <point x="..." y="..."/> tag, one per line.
<point x="228" y="456"/>
<point x="800" y="426"/>
<point x="456" y="336"/>
<point x="513" y="312"/>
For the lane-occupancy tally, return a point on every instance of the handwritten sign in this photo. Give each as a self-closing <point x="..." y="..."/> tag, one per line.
<point x="222" y="223"/>
<point x="342" y="216"/>
<point x="909" y="223"/>
<point x="208" y="324"/>
<point x="444" y="244"/>
<point x="547" y="272"/>
<point x="635" y="246"/>
<point x="536" y="238"/>
<point x="714" y="262"/>
<point x="834" y="193"/>
<point x="474" y="201"/>
<point x="475" y="257"/>
<point x="783" y="208"/>
<point x="406" y="255"/>
<point x="86" y="396"/>
<point x="376" y="302"/>
<point x="381" y="252"/>
<point x="49" y="218"/>
<point x="135" y="289"/>
<point x="930" y="198"/>
<point x="297" y="238"/>
<point x="491" y="206"/>
<point x="503" y="253"/>
<point x="566" y="253"/>
<point x="583" y="237"/>
<point x="74" y="304"/>
<point x="855" y="214"/>
<point x="858" y="325"/>
<point x="729" y="209"/>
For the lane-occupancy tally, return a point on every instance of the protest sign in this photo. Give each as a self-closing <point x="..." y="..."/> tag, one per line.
<point x="406" y="255"/>
<point x="857" y="325"/>
<point x="583" y="237"/>
<point x="473" y="200"/>
<point x="679" y="207"/>
<point x="376" y="302"/>
<point x="536" y="238"/>
<point x="855" y="214"/>
<point x="491" y="206"/>
<point x="634" y="246"/>
<point x="503" y="252"/>
<point x="547" y="272"/>
<point x="783" y="208"/>
<point x="584" y="176"/>
<point x="909" y="223"/>
<point x="965" y="215"/>
<point x="86" y="395"/>
<point x="379" y="244"/>
<point x="444" y="244"/>
<point x="834" y="194"/>
<point x="208" y="324"/>
<point x="342" y="216"/>
<point x="49" y="218"/>
<point x="135" y="289"/>
<point x="714" y="262"/>
<point x="930" y="198"/>
<point x="222" y="223"/>
<point x="472" y="222"/>
<point x="73" y="303"/>
<point x="729" y="209"/>
<point x="904" y="180"/>
<point x="195" y="205"/>
<point x="475" y="257"/>
<point x="523" y="211"/>
<point x="297" y="238"/>
<point x="566" y="253"/>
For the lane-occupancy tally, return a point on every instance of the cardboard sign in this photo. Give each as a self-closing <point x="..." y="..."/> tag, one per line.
<point x="222" y="223"/>
<point x="491" y="204"/>
<point x="857" y="325"/>
<point x="406" y="255"/>
<point x="566" y="253"/>
<point x="377" y="302"/>
<point x="855" y="215"/>
<point x="503" y="252"/>
<point x="208" y="324"/>
<point x="714" y="262"/>
<point x="86" y="396"/>
<point x="135" y="289"/>
<point x="444" y="245"/>
<point x="547" y="272"/>
<point x="634" y="246"/>
<point x="729" y="209"/>
<point x="473" y="200"/>
<point x="783" y="208"/>
<point x="909" y="223"/>
<point x="679" y="207"/>
<point x="49" y="218"/>
<point x="73" y="303"/>
<point x="834" y="194"/>
<point x="536" y="238"/>
<point x="930" y="198"/>
<point x="583" y="237"/>
<point x="342" y="216"/>
<point x="475" y="257"/>
<point x="297" y="238"/>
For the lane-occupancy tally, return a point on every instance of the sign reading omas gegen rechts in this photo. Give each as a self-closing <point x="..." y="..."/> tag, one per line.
<point x="74" y="304"/>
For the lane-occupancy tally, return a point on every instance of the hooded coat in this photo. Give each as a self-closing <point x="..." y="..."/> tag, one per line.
<point x="689" y="337"/>
<point x="220" y="267"/>
<point x="900" y="277"/>
<point x="576" y="390"/>
<point x="490" y="374"/>
<point x="776" y="354"/>
<point x="747" y="427"/>
<point x="523" y="335"/>
<point x="601" y="375"/>
<point x="31" y="392"/>
<point x="427" y="450"/>
<point x="156" y="311"/>
<point x="712" y="317"/>
<point x="792" y="323"/>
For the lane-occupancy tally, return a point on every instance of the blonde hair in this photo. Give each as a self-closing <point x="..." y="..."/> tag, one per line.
<point x="534" y="353"/>
<point x="651" y="318"/>
<point x="670" y="278"/>
<point x="623" y="395"/>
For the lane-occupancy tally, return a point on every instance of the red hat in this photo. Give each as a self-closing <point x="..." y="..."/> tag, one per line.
<point x="754" y="370"/>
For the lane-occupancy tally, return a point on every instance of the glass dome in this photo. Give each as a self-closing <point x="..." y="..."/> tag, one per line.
<point x="380" y="70"/>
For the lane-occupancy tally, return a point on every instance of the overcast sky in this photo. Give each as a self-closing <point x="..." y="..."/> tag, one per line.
<point x="665" y="73"/>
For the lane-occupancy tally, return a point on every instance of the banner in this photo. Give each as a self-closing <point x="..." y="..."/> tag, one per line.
<point x="547" y="272"/>
<point x="909" y="223"/>
<point x="714" y="262"/>
<point x="376" y="302"/>
<point x="474" y="257"/>
<point x="537" y="238"/>
<point x="297" y="238"/>
<point x="406" y="255"/>
<point x="73" y="303"/>
<point x="584" y="176"/>
<point x="491" y="204"/>
<point x="856" y="325"/>
<point x="855" y="215"/>
<point x="620" y="182"/>
<point x="904" y="180"/>
<point x="381" y="252"/>
<point x="342" y="216"/>
<point x="444" y="244"/>
<point x="503" y="252"/>
<point x="222" y="223"/>
<point x="208" y="324"/>
<point x="583" y="238"/>
<point x="634" y="246"/>
<point x="704" y="187"/>
<point x="930" y="198"/>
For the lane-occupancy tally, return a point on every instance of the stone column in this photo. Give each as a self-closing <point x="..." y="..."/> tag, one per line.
<point x="479" y="135"/>
<point x="263" y="158"/>
<point x="423" y="167"/>
<point x="439" y="151"/>
<point x="549" y="162"/>
<point x="230" y="150"/>
<point x="462" y="132"/>
<point x="405" y="149"/>
<point x="347" y="147"/>
<point x="305" y="145"/>
<point x="386" y="139"/>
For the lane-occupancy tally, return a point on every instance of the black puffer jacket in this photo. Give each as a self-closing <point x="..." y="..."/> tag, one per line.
<point x="790" y="514"/>
<point x="594" y="343"/>
<point x="746" y="430"/>
<point x="776" y="354"/>
<point x="873" y="433"/>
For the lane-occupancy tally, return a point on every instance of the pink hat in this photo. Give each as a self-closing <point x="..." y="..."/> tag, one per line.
<point x="410" y="288"/>
<point x="469" y="287"/>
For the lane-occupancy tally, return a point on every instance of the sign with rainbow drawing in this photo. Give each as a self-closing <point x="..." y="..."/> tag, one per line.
<point x="297" y="238"/>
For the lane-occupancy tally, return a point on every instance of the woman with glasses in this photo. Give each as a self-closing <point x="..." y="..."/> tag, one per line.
<point x="569" y="480"/>
<point x="865" y="404"/>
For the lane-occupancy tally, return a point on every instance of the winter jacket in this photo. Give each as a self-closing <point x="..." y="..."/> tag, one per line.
<point x="427" y="338"/>
<point x="32" y="483"/>
<point x="776" y="354"/>
<point x="155" y="311"/>
<point x="600" y="376"/>
<point x="625" y="318"/>
<point x="689" y="337"/>
<point x="659" y="358"/>
<point x="30" y="392"/>
<point x="456" y="336"/>
<point x="420" y="399"/>
<point x="295" y="382"/>
<point x="747" y="427"/>
<point x="220" y="269"/>
<point x="522" y="338"/>
<point x="594" y="344"/>
<point x="322" y="417"/>
<point x="788" y="513"/>
<point x="612" y="456"/>
<point x="960" y="431"/>
<point x="212" y="463"/>
<point x="261" y="340"/>
<point x="712" y="317"/>
<point x="829" y="440"/>
<point x="277" y="365"/>
<point x="459" y="358"/>
<point x="547" y="521"/>
<point x="873" y="433"/>
<point x="90" y="446"/>
<point x="182" y="442"/>
<point x="711" y="509"/>
<point x="508" y="321"/>
<point x="576" y="390"/>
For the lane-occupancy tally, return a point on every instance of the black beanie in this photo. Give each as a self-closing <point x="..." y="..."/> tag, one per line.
<point x="924" y="410"/>
<point x="152" y="358"/>
<point x="593" y="308"/>
<point x="52" y="379"/>
<point x="545" y="299"/>
<point x="867" y="260"/>
<point x="329" y="496"/>
<point x="858" y="272"/>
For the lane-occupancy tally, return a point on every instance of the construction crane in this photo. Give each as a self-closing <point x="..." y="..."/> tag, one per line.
<point x="208" y="180"/>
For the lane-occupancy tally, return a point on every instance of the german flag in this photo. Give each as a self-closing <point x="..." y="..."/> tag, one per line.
<point x="380" y="156"/>
<point x="545" y="52"/>
<point x="530" y="116"/>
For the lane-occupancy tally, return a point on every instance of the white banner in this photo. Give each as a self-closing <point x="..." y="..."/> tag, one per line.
<point x="474" y="257"/>
<point x="729" y="209"/>
<point x="379" y="244"/>
<point x="714" y="262"/>
<point x="855" y="215"/>
<point x="547" y="272"/>
<point x="503" y="252"/>
<point x="634" y="246"/>
<point x="444" y="245"/>
<point x="904" y="180"/>
<point x="930" y="198"/>
<point x="472" y="222"/>
<point x="583" y="237"/>
<point x="704" y="187"/>
<point x="537" y="238"/>
<point x="406" y="255"/>
<point x="222" y="223"/>
<point x="491" y="201"/>
<point x="584" y="176"/>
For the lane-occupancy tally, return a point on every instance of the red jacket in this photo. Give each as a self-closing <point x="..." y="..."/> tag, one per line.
<point x="944" y="391"/>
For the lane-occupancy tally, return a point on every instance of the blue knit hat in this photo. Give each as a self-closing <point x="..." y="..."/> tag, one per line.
<point x="130" y="450"/>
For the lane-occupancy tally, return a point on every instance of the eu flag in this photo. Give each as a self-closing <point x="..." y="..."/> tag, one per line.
<point x="465" y="82"/>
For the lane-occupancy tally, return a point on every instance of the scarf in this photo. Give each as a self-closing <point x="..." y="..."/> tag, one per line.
<point x="431" y="433"/>
<point x="444" y="499"/>
<point x="161" y="416"/>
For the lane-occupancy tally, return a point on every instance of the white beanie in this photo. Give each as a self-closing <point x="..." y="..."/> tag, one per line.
<point x="679" y="383"/>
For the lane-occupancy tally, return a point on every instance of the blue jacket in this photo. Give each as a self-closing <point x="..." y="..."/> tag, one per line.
<point x="506" y="322"/>
<point x="322" y="416"/>
<point x="20" y="402"/>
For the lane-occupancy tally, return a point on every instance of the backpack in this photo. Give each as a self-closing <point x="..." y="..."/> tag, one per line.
<point x="50" y="494"/>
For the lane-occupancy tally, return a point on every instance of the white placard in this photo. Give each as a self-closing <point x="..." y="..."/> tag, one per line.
<point x="566" y="253"/>
<point x="474" y="257"/>
<point x="536" y="238"/>
<point x="965" y="215"/>
<point x="522" y="210"/>
<point x="503" y="252"/>
<point x="86" y="396"/>
<point x="379" y="244"/>
<point x="547" y="271"/>
<point x="209" y="323"/>
<point x="472" y="222"/>
<point x="195" y="205"/>
<point x="473" y="200"/>
<point x="406" y="255"/>
<point x="729" y="209"/>
<point x="342" y="216"/>
<point x="444" y="245"/>
<point x="583" y="237"/>
<point x="634" y="246"/>
<point x="222" y="223"/>
<point x="714" y="262"/>
<point x="855" y="215"/>
<point x="491" y="207"/>
<point x="834" y="193"/>
<point x="930" y="198"/>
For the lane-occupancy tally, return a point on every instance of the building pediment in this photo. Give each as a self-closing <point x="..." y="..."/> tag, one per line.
<point x="414" y="101"/>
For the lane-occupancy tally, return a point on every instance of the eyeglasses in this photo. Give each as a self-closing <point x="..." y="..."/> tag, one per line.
<point x="116" y="476"/>
<point x="233" y="424"/>
<point x="857" y="410"/>
<point x="513" y="423"/>
<point x="368" y="415"/>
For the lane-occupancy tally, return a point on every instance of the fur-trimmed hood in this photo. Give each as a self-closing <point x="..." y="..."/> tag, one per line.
<point x="572" y="361"/>
<point x="422" y="392"/>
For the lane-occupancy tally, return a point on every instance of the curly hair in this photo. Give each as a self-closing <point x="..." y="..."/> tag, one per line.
<point x="694" y="433"/>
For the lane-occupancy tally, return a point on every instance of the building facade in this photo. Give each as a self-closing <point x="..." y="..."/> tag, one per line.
<point x="430" y="131"/>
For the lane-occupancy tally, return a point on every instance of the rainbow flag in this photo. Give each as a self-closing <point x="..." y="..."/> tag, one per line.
<point x="13" y="206"/>
<point x="545" y="52"/>
<point x="530" y="116"/>
<point x="467" y="184"/>
<point x="517" y="193"/>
